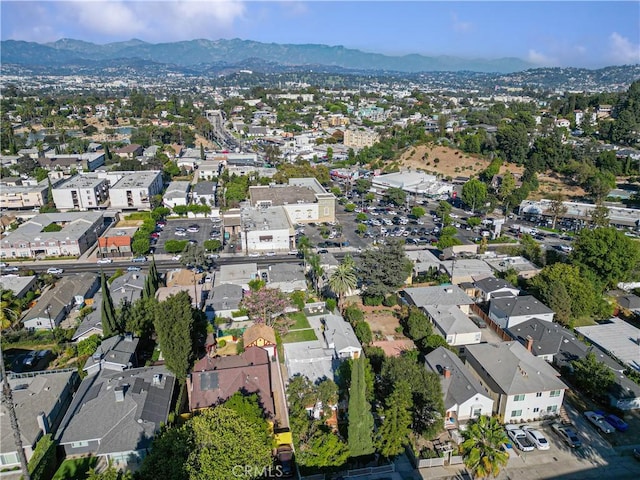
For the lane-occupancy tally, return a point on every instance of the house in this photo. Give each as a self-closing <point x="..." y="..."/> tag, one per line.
<point x="204" y="192"/>
<point x="616" y="337"/>
<point x="466" y="269"/>
<point x="177" y="193"/>
<point x="115" y="415"/>
<point x="456" y="327"/>
<point x="115" y="353"/>
<point x="19" y="286"/>
<point x="215" y="379"/>
<point x="464" y="397"/>
<point x="115" y="246"/>
<point x="130" y="151"/>
<point x="239" y="274"/>
<point x="54" y="304"/>
<point x="41" y="400"/>
<point x="491" y="287"/>
<point x="523" y="267"/>
<point x="523" y="387"/>
<point x="424" y="261"/>
<point x="32" y="239"/>
<point x="629" y="302"/>
<point x="260" y="335"/>
<point x="510" y="311"/>
<point x="223" y="300"/>
<point x="209" y="169"/>
<point x="337" y="334"/>
<point x="560" y="347"/>
<point x="441" y="295"/>
<point x="287" y="277"/>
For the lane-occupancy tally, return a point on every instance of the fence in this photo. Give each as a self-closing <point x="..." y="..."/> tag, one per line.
<point x="14" y="375"/>
<point x="423" y="462"/>
<point x="493" y="325"/>
<point x="355" y="473"/>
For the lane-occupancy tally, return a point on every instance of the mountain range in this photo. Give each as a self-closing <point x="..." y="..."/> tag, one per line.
<point x="196" y="54"/>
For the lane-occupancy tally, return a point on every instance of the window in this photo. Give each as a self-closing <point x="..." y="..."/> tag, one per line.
<point x="266" y="239"/>
<point x="9" y="458"/>
<point x="82" y="443"/>
<point x="552" y="408"/>
<point x="518" y="398"/>
<point x="555" y="393"/>
<point x="516" y="413"/>
<point x="477" y="412"/>
<point x="538" y="394"/>
<point x="536" y="410"/>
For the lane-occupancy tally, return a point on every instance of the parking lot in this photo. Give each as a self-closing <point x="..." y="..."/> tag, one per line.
<point x="169" y="232"/>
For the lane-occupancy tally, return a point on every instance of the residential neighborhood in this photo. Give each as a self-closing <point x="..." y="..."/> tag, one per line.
<point x="373" y="278"/>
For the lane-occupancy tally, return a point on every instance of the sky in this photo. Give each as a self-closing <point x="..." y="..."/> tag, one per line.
<point x="588" y="34"/>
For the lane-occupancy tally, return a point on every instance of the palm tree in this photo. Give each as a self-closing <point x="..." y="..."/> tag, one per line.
<point x="316" y="270"/>
<point x="482" y="448"/>
<point x="10" y="310"/>
<point x="343" y="280"/>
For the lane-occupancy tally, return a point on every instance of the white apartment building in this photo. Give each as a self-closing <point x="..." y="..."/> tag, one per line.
<point x="134" y="190"/>
<point x="177" y="193"/>
<point x="523" y="386"/>
<point x="81" y="192"/>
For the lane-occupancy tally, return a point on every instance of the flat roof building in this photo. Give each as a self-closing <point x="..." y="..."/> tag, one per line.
<point x="135" y="189"/>
<point x="81" y="192"/>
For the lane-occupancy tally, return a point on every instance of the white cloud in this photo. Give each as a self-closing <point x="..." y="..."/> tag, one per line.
<point x="622" y="50"/>
<point x="459" y="25"/>
<point x="541" y="59"/>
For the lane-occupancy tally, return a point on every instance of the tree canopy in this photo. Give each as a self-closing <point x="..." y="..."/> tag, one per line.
<point x="384" y="270"/>
<point x="482" y="447"/>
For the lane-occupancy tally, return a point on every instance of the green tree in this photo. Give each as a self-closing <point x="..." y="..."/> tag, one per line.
<point x="140" y="246"/>
<point x="385" y="269"/>
<point x="607" y="253"/>
<point x="363" y="333"/>
<point x="323" y="449"/>
<point x="175" y="326"/>
<point x="353" y="314"/>
<point x="396" y="196"/>
<point x="416" y="324"/>
<point x="443" y="209"/>
<point x="360" y="431"/>
<point x="507" y="185"/>
<point x="599" y="216"/>
<point x="224" y="439"/>
<point x="557" y="208"/>
<point x="343" y="280"/>
<point x="362" y="186"/>
<point x="107" y="310"/>
<point x="482" y="447"/>
<point x="395" y="430"/>
<point x="175" y="246"/>
<point x="418" y="212"/>
<point x="474" y="222"/>
<point x="592" y="376"/>
<point x="474" y="193"/>
<point x="168" y="457"/>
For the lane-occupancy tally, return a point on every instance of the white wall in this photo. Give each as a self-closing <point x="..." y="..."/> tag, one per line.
<point x="463" y="338"/>
<point x="266" y="240"/>
<point x="465" y="410"/>
<point x="303" y="212"/>
<point x="528" y="405"/>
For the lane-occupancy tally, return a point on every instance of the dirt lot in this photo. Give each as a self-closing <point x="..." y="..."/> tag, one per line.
<point x="382" y="320"/>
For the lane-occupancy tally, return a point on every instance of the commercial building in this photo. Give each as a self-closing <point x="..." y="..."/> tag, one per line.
<point x="81" y="192"/>
<point x="134" y="190"/>
<point x="83" y="162"/>
<point x="411" y="182"/>
<point x="79" y="231"/>
<point x="304" y="199"/>
<point x="360" y="138"/>
<point x="616" y="337"/>
<point x="266" y="230"/>
<point x="618" y="216"/>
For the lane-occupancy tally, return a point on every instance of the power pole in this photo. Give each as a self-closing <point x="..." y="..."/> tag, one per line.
<point x="7" y="401"/>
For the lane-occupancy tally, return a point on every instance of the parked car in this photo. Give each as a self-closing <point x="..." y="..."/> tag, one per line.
<point x="538" y="439"/>
<point x="284" y="456"/>
<point x="616" y="422"/>
<point x="270" y="254"/>
<point x="30" y="358"/>
<point x="3" y="265"/>
<point x="133" y="269"/>
<point x="254" y="254"/>
<point x="140" y="259"/>
<point x="105" y="260"/>
<point x="520" y="438"/>
<point x="11" y="269"/>
<point x="55" y="271"/>
<point x="181" y="233"/>
<point x="193" y="229"/>
<point x="568" y="434"/>
<point x="176" y="257"/>
<point x="599" y="421"/>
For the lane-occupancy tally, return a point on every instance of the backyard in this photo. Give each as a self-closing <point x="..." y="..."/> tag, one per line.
<point x="75" y="469"/>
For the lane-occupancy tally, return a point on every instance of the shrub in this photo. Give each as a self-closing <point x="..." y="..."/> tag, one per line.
<point x="390" y="301"/>
<point x="222" y="343"/>
<point x="353" y="314"/>
<point x="298" y="299"/>
<point x="330" y="304"/>
<point x="372" y="300"/>
<point x="363" y="333"/>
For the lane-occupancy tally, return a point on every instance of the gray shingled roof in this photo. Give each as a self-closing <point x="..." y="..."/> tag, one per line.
<point x="491" y="284"/>
<point x="513" y="369"/>
<point x="123" y="426"/>
<point x="461" y="384"/>
<point x="437" y="295"/>
<point x="519" y="306"/>
<point x="451" y="320"/>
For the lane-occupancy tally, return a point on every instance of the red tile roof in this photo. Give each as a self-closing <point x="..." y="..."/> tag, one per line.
<point x="119" y="241"/>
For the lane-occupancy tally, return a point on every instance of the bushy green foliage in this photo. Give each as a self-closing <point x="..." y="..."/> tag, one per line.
<point x="89" y="345"/>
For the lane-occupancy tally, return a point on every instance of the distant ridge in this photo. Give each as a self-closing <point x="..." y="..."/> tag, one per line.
<point x="201" y="52"/>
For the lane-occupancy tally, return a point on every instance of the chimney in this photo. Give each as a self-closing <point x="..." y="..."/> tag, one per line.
<point x="43" y="424"/>
<point x="446" y="372"/>
<point x="119" y="391"/>
<point x="529" y="344"/>
<point x="157" y="379"/>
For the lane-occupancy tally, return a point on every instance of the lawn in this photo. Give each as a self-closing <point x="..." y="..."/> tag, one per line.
<point x="299" y="336"/>
<point x="75" y="469"/>
<point x="300" y="320"/>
